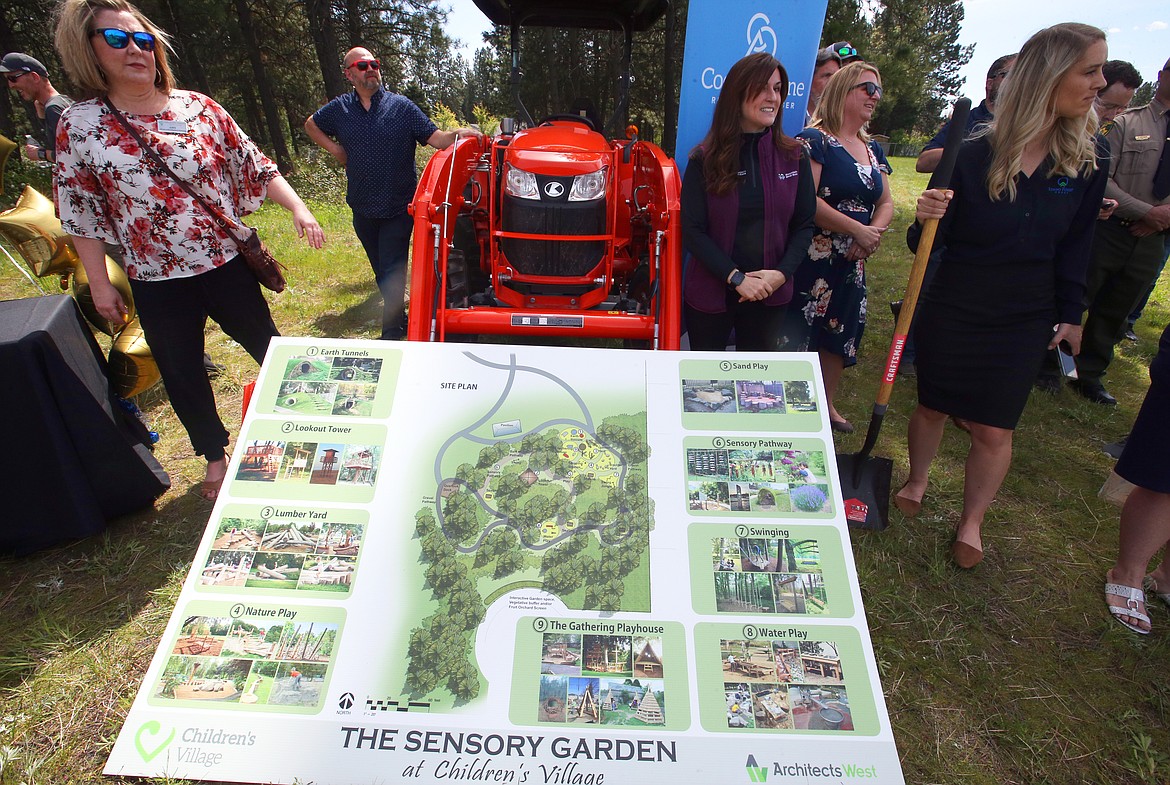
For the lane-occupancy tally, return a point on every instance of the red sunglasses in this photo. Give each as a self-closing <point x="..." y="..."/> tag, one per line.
<point x="362" y="65"/>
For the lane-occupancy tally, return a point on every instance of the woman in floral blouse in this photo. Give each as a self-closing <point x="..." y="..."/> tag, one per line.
<point x="182" y="268"/>
<point x="854" y="208"/>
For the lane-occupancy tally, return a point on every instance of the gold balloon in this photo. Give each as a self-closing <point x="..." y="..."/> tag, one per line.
<point x="32" y="226"/>
<point x="6" y="148"/>
<point x="132" y="366"/>
<point x="85" y="301"/>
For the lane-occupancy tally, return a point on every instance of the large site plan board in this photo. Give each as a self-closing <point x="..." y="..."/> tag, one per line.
<point x="485" y="563"/>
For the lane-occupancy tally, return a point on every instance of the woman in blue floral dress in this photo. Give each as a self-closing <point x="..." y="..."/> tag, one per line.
<point x="854" y="208"/>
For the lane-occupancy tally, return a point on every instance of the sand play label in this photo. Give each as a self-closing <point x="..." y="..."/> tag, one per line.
<point x="749" y="395"/>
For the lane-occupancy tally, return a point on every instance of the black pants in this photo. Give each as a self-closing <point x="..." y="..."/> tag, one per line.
<point x="173" y="313"/>
<point x="1121" y="270"/>
<point x="757" y="327"/>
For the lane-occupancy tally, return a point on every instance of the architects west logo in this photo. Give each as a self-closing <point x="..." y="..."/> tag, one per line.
<point x="756" y="773"/>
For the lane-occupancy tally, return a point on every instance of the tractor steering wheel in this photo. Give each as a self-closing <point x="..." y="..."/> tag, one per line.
<point x="571" y="117"/>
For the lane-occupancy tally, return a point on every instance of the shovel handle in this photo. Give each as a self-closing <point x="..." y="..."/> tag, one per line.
<point x="941" y="178"/>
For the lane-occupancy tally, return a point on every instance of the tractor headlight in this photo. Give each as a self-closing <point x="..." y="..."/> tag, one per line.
<point x="587" y="187"/>
<point x="520" y="183"/>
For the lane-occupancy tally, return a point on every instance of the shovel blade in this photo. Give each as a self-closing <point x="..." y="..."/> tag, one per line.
<point x="865" y="487"/>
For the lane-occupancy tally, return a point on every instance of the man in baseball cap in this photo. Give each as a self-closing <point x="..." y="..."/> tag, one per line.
<point x="29" y="78"/>
<point x="846" y="51"/>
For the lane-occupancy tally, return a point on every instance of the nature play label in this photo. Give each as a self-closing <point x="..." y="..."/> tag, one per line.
<point x="520" y="564"/>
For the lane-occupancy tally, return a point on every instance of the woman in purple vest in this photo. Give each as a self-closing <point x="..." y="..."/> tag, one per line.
<point x="747" y="211"/>
<point x="854" y="208"/>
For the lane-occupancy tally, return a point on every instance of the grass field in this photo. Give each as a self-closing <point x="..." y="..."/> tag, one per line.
<point x="1012" y="673"/>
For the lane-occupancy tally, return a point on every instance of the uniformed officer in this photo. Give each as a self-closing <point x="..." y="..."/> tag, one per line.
<point x="1128" y="247"/>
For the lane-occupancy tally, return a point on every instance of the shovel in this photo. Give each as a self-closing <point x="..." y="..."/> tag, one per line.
<point x="865" y="479"/>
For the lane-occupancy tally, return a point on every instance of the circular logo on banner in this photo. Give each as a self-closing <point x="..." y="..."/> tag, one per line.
<point x="760" y="35"/>
<point x="346" y="701"/>
<point x="554" y="190"/>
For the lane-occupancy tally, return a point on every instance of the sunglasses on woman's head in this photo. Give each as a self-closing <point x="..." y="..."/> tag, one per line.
<point x="362" y="65"/>
<point x="120" y="39"/>
<point x="872" y="89"/>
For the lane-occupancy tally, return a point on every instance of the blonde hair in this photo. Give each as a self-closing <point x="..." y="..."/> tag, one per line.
<point x="72" y="38"/>
<point x="1025" y="109"/>
<point x="830" y="111"/>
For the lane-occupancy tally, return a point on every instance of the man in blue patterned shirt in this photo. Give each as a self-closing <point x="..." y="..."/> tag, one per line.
<point x="373" y="132"/>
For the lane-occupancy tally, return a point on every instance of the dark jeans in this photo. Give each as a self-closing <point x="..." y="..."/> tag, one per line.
<point x="173" y="313"/>
<point x="1121" y="270"/>
<point x="757" y="327"/>
<point x="387" y="243"/>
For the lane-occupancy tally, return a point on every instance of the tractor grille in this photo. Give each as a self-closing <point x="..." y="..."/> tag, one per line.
<point x="551" y="257"/>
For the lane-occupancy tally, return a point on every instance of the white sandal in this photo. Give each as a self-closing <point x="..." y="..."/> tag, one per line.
<point x="1133" y="597"/>
<point x="1151" y="585"/>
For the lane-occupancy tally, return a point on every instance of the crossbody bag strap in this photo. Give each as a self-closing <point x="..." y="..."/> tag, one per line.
<point x="216" y="215"/>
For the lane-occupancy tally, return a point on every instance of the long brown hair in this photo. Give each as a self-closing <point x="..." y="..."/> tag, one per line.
<point x="718" y="153"/>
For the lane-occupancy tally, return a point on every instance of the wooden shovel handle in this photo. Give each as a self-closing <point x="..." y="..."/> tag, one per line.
<point x="940" y="179"/>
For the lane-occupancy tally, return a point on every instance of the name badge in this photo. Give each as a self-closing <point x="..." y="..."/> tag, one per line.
<point x="1141" y="138"/>
<point x="172" y="127"/>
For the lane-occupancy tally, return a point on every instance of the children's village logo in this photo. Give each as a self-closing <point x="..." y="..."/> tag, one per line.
<point x="756" y="773"/>
<point x="146" y="740"/>
<point x="1062" y="186"/>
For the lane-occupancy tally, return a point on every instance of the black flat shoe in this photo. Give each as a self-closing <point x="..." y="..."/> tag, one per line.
<point x="841" y="426"/>
<point x="1093" y="391"/>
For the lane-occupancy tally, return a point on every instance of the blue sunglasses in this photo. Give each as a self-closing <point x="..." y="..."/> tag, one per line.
<point x="120" y="39"/>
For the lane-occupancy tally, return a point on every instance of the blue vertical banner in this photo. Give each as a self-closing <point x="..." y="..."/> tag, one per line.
<point x="720" y="32"/>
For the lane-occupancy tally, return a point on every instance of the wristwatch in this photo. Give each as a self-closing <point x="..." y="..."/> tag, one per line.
<point x="736" y="279"/>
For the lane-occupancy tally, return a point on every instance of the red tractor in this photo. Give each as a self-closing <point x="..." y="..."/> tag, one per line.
<point x="552" y="229"/>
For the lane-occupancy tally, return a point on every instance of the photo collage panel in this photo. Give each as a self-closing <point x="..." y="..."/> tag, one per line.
<point x="740" y="396"/>
<point x="323" y="386"/>
<point x="784" y="685"/>
<point x="309" y="463"/>
<point x="601" y="680"/>
<point x="219" y="660"/>
<point x="289" y="555"/>
<point x="758" y="481"/>
<point x="759" y="575"/>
